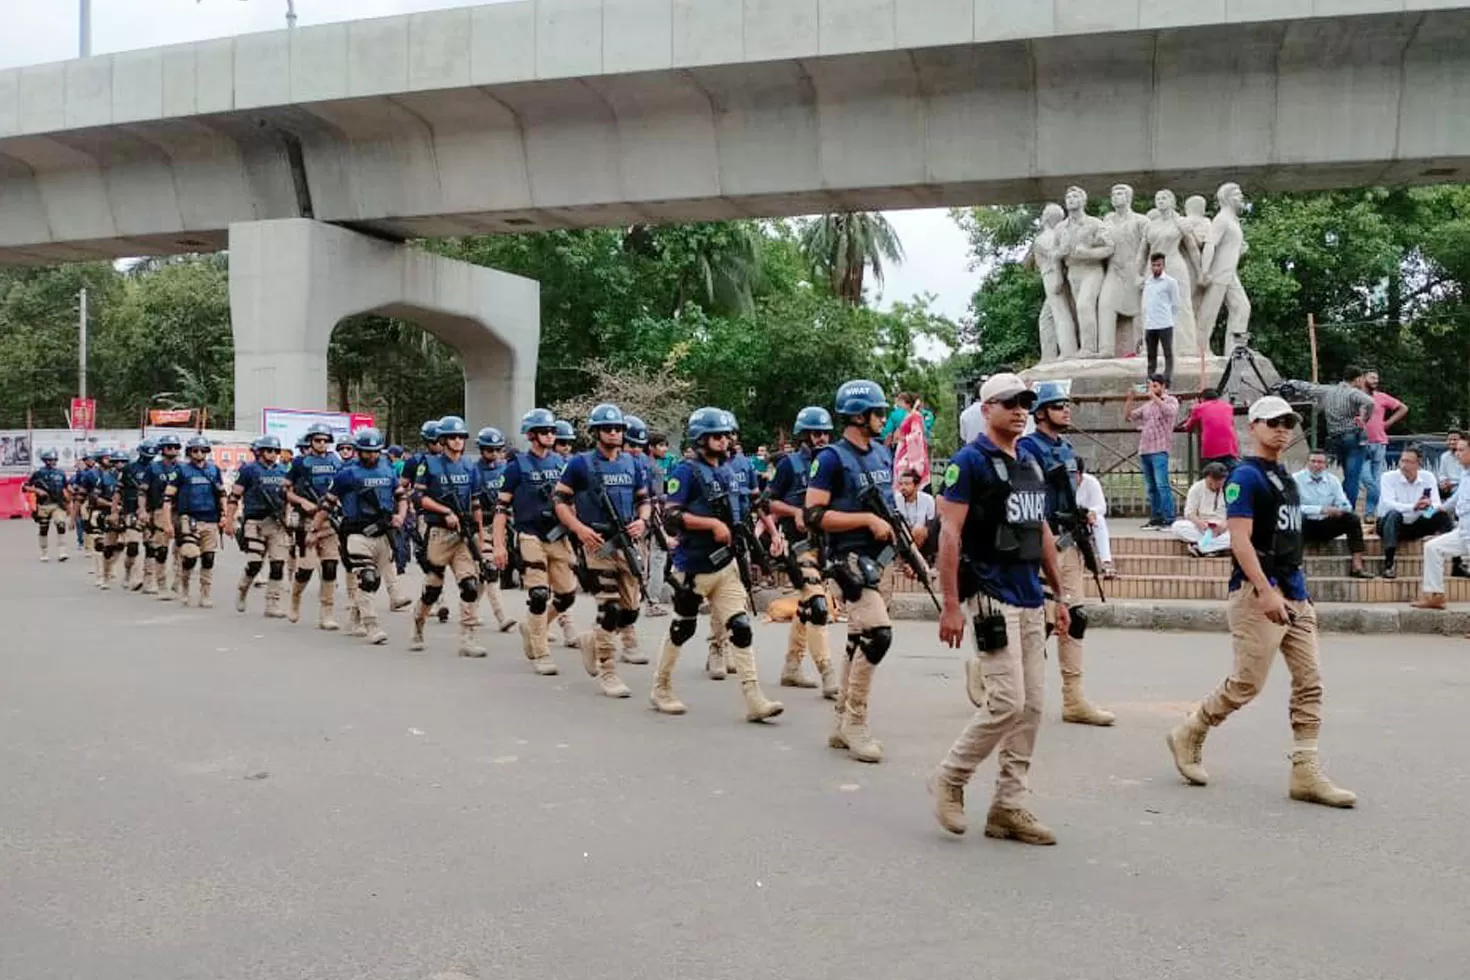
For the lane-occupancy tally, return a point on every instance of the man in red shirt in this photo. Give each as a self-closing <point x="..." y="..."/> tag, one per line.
<point x="1214" y="417"/>
<point x="1387" y="411"/>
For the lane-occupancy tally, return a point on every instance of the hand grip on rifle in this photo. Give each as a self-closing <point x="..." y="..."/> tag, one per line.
<point x="903" y="539"/>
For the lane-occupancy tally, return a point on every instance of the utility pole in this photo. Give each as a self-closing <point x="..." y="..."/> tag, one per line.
<point x="84" y="28"/>
<point x="82" y="346"/>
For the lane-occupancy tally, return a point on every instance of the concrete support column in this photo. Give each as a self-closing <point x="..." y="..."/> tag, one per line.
<point x="293" y="280"/>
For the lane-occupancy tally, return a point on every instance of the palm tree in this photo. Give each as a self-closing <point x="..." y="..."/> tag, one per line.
<point x="841" y="248"/>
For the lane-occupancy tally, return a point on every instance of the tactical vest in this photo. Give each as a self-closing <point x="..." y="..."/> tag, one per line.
<point x="1006" y="526"/>
<point x="371" y="500"/>
<point x="492" y="480"/>
<point x="312" y="475"/>
<point x="198" y="495"/>
<point x="1059" y="467"/>
<point x="450" y="483"/>
<point x="160" y="475"/>
<point x="716" y="489"/>
<point x="51" y="480"/>
<point x="265" y="490"/>
<point x="1277" y="535"/>
<point x="619" y="477"/>
<point x="859" y="473"/>
<point x="134" y="482"/>
<point x="531" y="501"/>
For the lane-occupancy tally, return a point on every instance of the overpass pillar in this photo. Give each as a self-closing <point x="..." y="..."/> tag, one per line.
<point x="293" y="280"/>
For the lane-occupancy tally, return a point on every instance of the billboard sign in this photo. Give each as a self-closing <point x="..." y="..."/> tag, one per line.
<point x="289" y="424"/>
<point x="84" y="414"/>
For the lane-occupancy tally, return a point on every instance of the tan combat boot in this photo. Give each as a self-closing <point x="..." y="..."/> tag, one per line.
<point x="420" y="615"/>
<point x="791" y="672"/>
<point x="607" y="675"/>
<point x="150" y="580"/>
<point x="714" y="664"/>
<point x="758" y="707"/>
<point x="297" y="588"/>
<point x="182" y="583"/>
<point x="949" y="802"/>
<point x="1018" y="824"/>
<point x="242" y="593"/>
<point x="1187" y="743"/>
<point x="587" y="644"/>
<point x="816" y="645"/>
<point x="468" y="645"/>
<point x="662" y="698"/>
<point x="860" y="742"/>
<point x="839" y="708"/>
<point x="568" y="631"/>
<point x="631" y="653"/>
<point x="375" y="634"/>
<point x="325" y="620"/>
<point x="1310" y="785"/>
<point x="355" y="624"/>
<point x="273" y="596"/>
<point x="1077" y="709"/>
<point x="206" y="588"/>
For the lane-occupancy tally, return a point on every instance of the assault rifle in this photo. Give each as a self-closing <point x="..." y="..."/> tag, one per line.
<point x="1074" y="522"/>
<point x="903" y="539"/>
<point x="747" y="538"/>
<point x="334" y="521"/>
<point x="619" y="540"/>
<point x="470" y="535"/>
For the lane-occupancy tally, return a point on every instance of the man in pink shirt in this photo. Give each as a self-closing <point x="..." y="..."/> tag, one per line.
<point x="1156" y="418"/>
<point x="1214" y="417"/>
<point x="1387" y="411"/>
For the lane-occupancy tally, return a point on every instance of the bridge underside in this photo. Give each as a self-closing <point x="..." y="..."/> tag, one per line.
<point x="1291" y="105"/>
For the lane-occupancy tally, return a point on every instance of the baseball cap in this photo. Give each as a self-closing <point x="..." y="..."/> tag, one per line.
<point x="999" y="387"/>
<point x="1272" y="407"/>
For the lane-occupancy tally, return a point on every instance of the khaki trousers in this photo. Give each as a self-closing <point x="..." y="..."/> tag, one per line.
<point x="367" y="552"/>
<point x="808" y="637"/>
<point x="547" y="565"/>
<point x="445" y="550"/>
<point x="1015" y="686"/>
<point x="1255" y="640"/>
<point x="1069" y="651"/>
<point x="616" y="585"/>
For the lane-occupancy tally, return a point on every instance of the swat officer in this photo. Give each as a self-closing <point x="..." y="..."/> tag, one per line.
<point x="413" y="469"/>
<point x="1268" y="610"/>
<point x="1053" y="415"/>
<point x="701" y="513"/>
<point x="193" y="507"/>
<point x="163" y="474"/>
<point x="106" y="515"/>
<point x="311" y="477"/>
<point x="373" y="506"/>
<point x="134" y="484"/>
<point x="598" y="496"/>
<point x="346" y="450"/>
<point x="813" y="429"/>
<point x="635" y="444"/>
<point x="718" y="664"/>
<point x="994" y="545"/>
<point x="88" y="516"/>
<point x="260" y="487"/>
<point x="491" y="443"/>
<point x="565" y="436"/>
<point x="546" y="553"/>
<point x="49" y="484"/>
<point x="858" y="547"/>
<point x="447" y="491"/>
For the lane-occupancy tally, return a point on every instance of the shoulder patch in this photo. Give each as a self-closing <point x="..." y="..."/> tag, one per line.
<point x="673" y="484"/>
<point x="952" y="474"/>
<point x="1232" y="493"/>
<point x="812" y="470"/>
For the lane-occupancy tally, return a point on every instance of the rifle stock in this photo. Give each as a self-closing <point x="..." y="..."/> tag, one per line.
<point x="903" y="540"/>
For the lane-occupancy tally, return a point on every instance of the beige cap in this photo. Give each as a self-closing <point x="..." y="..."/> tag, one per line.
<point x="1001" y="386"/>
<point x="1272" y="407"/>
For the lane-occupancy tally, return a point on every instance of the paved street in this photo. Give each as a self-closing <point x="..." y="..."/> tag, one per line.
<point x="192" y="794"/>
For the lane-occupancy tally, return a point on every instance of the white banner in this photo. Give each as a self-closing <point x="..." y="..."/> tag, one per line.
<point x="289" y="424"/>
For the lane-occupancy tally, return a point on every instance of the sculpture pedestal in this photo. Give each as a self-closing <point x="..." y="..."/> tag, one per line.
<point x="1108" y="442"/>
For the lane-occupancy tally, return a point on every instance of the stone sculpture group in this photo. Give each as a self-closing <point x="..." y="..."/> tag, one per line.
<point x="1092" y="270"/>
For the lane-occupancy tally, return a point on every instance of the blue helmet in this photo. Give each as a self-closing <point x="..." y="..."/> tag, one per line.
<point x="395" y="450"/>
<point x="318" y="429"/>
<point x="1050" y="393"/>
<point x="48" y="456"/>
<point x="169" y="441"/>
<point x="147" y="449"/>
<point x="346" y="441"/>
<point x="368" y="440"/>
<point x="709" y="422"/>
<point x="101" y="454"/>
<point x="606" y="416"/>
<point x="813" y="418"/>
<point x="266" y="442"/>
<point x="429" y="431"/>
<point x="303" y="444"/>
<point x="564" y="431"/>
<point x="198" y="442"/>
<point x="637" y="432"/>
<point x="490" y="438"/>
<point x="859" y="397"/>
<point x="537" y="418"/>
<point x="452" y="425"/>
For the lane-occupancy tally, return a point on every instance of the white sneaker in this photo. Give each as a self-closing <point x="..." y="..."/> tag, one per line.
<point x="45" y="557"/>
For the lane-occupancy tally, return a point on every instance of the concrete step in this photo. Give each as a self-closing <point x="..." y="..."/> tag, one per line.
<point x="1158" y="543"/>
<point x="1316" y="566"/>
<point x="1323" y="589"/>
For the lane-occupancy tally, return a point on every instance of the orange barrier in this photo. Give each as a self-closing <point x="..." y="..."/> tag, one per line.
<point x="13" y="503"/>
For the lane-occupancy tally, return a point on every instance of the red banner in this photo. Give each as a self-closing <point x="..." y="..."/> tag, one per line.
<point x="84" y="414"/>
<point x="170" y="416"/>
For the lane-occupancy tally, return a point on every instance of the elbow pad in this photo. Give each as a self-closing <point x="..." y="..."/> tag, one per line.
<point x="814" y="516"/>
<point x="504" y="508"/>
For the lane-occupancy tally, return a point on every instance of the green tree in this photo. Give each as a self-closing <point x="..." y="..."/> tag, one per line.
<point x="843" y="247"/>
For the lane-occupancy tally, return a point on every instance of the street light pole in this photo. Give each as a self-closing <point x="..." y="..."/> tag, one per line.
<point x="82" y="345"/>
<point x="84" y="28"/>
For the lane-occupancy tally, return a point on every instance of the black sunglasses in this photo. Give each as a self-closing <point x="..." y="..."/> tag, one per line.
<point x="1024" y="400"/>
<point x="1280" y="422"/>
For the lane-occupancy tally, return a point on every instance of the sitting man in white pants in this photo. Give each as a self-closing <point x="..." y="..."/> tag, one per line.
<point x="1451" y="545"/>
<point x="1203" y="524"/>
<point x="1090" y="497"/>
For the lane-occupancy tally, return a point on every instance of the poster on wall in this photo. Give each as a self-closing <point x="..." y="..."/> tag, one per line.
<point x="15" y="449"/>
<point x="289" y="424"/>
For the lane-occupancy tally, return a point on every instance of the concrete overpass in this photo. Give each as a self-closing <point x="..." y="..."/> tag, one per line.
<point x="572" y="113"/>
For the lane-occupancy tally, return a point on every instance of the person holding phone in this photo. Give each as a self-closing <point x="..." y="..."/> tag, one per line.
<point x="1268" y="610"/>
<point x="1409" y="507"/>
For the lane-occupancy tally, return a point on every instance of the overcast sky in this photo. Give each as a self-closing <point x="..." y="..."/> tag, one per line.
<point x="37" y="31"/>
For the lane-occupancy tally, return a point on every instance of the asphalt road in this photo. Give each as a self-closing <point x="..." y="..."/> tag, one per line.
<point x="199" y="794"/>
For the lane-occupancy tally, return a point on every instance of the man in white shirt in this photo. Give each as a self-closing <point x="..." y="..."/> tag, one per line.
<point x="972" y="422"/>
<point x="1203" y="524"/>
<point x="1450" y="470"/>
<point x="1091" y="499"/>
<point x="1409" y="507"/>
<point x="1160" y="310"/>
<point x="917" y="508"/>
<point x="1452" y="545"/>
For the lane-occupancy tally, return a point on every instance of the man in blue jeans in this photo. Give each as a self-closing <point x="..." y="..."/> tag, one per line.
<point x="1156" y="418"/>
<point x="1349" y="409"/>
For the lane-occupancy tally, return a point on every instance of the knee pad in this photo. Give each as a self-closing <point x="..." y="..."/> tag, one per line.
<point x="537" y="600"/>
<point x="368" y="579"/>
<point x="189" y="562"/>
<point x="207" y="559"/>
<point x="686" y="603"/>
<point x="742" y="635"/>
<point x="814" y="611"/>
<point x="609" y="616"/>
<point x="469" y="589"/>
<point x="681" y="630"/>
<point x="108" y="550"/>
<point x="562" y="601"/>
<point x="278" y="571"/>
<point x="627" y="617"/>
<point x="303" y="575"/>
<point x="875" y="643"/>
<point x="431" y="595"/>
<point x="133" y="549"/>
<point x="252" y="569"/>
<point x="329" y="569"/>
